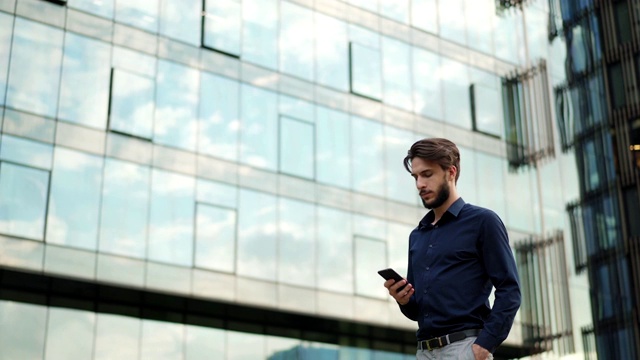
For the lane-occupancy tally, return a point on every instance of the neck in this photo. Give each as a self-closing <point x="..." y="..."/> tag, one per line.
<point x="440" y="210"/>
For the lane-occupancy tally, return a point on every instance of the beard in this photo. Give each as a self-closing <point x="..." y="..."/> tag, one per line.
<point x="443" y="194"/>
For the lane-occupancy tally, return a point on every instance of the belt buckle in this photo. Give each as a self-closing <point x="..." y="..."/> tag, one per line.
<point x="439" y="345"/>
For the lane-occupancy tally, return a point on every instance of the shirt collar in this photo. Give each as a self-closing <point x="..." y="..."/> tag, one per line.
<point x="454" y="210"/>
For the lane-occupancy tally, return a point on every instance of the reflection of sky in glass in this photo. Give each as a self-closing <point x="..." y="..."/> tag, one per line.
<point x="457" y="102"/>
<point x="84" y="96"/>
<point x="161" y="340"/>
<point x="508" y="42"/>
<point x="333" y="147"/>
<point x="367" y="143"/>
<point x="296" y="243"/>
<point x="215" y="193"/>
<point x="371" y="5"/>
<point x="102" y="8"/>
<point x="257" y="230"/>
<point x="480" y="24"/>
<point x="133" y="61"/>
<point x="22" y="330"/>
<point x="335" y="250"/>
<point x="397" y="238"/>
<point x="215" y="238"/>
<point x="176" y="105"/>
<point x="366" y="71"/>
<point x="427" y="86"/>
<point x="259" y="137"/>
<point x="34" y="76"/>
<point x="75" y="199"/>
<point x="171" y="218"/>
<point x="397" y="10"/>
<point x="140" y="14"/>
<point x="125" y="208"/>
<point x="69" y="334"/>
<point x="260" y="32"/>
<point x="492" y="194"/>
<point x="223" y="24"/>
<point x="219" y="120"/>
<point x="520" y="215"/>
<point x="27" y="152"/>
<point x="424" y="15"/>
<point x="117" y="337"/>
<point x="6" y="29"/>
<point x="23" y="199"/>
<point x="369" y="256"/>
<point x="296" y="40"/>
<point x="466" y="184"/>
<point x="452" y="20"/>
<point x="396" y="67"/>
<point x="244" y="346"/>
<point x="181" y="20"/>
<point x="204" y="343"/>
<point x="487" y="103"/>
<point x="296" y="148"/>
<point x="399" y="183"/>
<point x="132" y="104"/>
<point x="332" y="52"/>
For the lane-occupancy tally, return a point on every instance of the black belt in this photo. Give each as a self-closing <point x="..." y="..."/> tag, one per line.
<point x="444" y="340"/>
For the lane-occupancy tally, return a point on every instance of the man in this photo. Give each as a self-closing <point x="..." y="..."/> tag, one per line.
<point x="457" y="254"/>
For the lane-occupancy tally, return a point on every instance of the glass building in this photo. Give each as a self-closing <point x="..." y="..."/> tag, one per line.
<point x="221" y="179"/>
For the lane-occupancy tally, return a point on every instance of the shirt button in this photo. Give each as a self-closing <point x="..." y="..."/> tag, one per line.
<point x="425" y="291"/>
<point x="430" y="246"/>
<point x="427" y="268"/>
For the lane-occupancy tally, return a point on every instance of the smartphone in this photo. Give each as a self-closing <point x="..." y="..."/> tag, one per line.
<point x="389" y="273"/>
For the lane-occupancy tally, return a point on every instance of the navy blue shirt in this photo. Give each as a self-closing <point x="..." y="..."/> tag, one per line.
<point x="453" y="266"/>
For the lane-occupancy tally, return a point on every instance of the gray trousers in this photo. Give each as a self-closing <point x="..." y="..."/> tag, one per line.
<point x="459" y="350"/>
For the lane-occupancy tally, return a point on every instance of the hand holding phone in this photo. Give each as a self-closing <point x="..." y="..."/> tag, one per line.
<point x="389" y="273"/>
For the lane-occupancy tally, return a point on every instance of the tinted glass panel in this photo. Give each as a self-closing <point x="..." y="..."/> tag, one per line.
<point x="335" y="250"/>
<point x="219" y="120"/>
<point x="23" y="200"/>
<point x="22" y="330"/>
<point x="34" y="75"/>
<point x="622" y="22"/>
<point x="370" y="253"/>
<point x="427" y="85"/>
<point x="333" y="147"/>
<point x="27" y="152"/>
<point x="102" y="8"/>
<point x="332" y="52"/>
<point x="171" y="218"/>
<point x="396" y="61"/>
<point x="125" y="208"/>
<point x="70" y="334"/>
<point x="366" y="71"/>
<point x="508" y="30"/>
<point x="367" y="142"/>
<point x="176" y="105"/>
<point x="74" y="202"/>
<point x="161" y="340"/>
<point x="260" y="32"/>
<point x="222" y="25"/>
<point x="215" y="238"/>
<point x="259" y="136"/>
<point x="486" y="101"/>
<point x="84" y="97"/>
<point x="140" y="14"/>
<point x="616" y="82"/>
<point x="297" y="147"/>
<point x="181" y="20"/>
<point x="296" y="40"/>
<point x="257" y="235"/>
<point x="296" y="243"/>
<point x="204" y="343"/>
<point x="6" y="30"/>
<point x="117" y="337"/>
<point x="132" y="104"/>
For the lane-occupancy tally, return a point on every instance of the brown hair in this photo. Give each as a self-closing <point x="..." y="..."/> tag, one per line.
<point x="442" y="151"/>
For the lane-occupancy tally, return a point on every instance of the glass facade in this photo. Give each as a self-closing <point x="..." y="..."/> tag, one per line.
<point x="249" y="152"/>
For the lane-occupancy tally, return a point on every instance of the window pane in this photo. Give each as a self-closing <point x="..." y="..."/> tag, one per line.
<point x="480" y="25"/>
<point x="259" y="136"/>
<point x="485" y="101"/>
<point x="427" y="94"/>
<point x="34" y="75"/>
<point x="84" y="97"/>
<point x="215" y="238"/>
<point x="140" y="14"/>
<point x="171" y="218"/>
<point x="296" y="40"/>
<point x="75" y="199"/>
<point x="70" y="334"/>
<point x="333" y="147"/>
<point x="176" y="105"/>
<point x="214" y="193"/>
<point x="204" y="343"/>
<point x="452" y="20"/>
<point x="616" y="81"/>
<point x="396" y="57"/>
<point x="257" y="217"/>
<point x="397" y="10"/>
<point x="6" y="30"/>
<point x="335" y="250"/>
<point x="222" y="25"/>
<point x="219" y="120"/>
<point x="132" y="104"/>
<point x="22" y="330"/>
<point x="455" y="80"/>
<point x="27" y="152"/>
<point x="161" y="340"/>
<point x="367" y="142"/>
<point x="245" y="346"/>
<point x="467" y="183"/>
<point x="134" y="62"/>
<point x="125" y="208"/>
<point x="117" y="337"/>
<point x="296" y="147"/>
<point x="181" y="20"/>
<point x="296" y="242"/>
<point x="332" y="52"/>
<point x="23" y="200"/>
<point x="622" y="22"/>
<point x="507" y="40"/>
<point x="399" y="185"/>
<point x="370" y="253"/>
<point x="424" y="15"/>
<point x="102" y="8"/>
<point x="491" y="192"/>
<point x="260" y="33"/>
<point x="366" y="71"/>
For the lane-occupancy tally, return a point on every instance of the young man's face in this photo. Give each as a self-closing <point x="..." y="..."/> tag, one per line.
<point x="432" y="182"/>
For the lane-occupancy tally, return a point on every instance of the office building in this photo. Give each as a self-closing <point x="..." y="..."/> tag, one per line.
<point x="221" y="179"/>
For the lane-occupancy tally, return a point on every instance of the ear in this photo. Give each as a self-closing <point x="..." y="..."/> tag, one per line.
<point x="452" y="172"/>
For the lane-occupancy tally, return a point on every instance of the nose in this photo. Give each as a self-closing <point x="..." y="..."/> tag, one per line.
<point x="420" y="183"/>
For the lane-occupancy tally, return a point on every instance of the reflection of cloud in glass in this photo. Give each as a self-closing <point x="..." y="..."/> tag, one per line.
<point x="161" y="340"/>
<point x="257" y="230"/>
